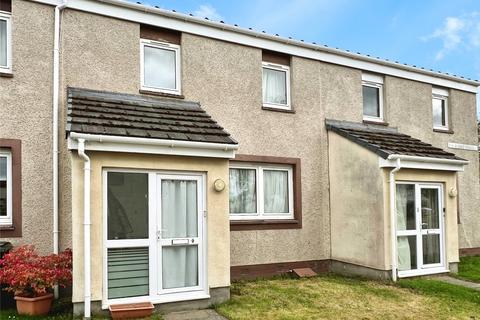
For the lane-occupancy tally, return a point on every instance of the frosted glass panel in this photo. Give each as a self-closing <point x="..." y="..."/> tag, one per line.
<point x="159" y="68"/>
<point x="179" y="267"/>
<point x="127" y="272"/>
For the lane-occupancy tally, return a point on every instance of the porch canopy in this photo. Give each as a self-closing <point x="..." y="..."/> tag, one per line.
<point x="120" y="122"/>
<point x="391" y="145"/>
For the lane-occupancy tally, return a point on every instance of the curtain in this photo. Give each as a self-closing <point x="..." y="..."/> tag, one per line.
<point x="274" y="86"/>
<point x="403" y="247"/>
<point x="275" y="191"/>
<point x="3" y="43"/>
<point x="243" y="194"/>
<point x="179" y="220"/>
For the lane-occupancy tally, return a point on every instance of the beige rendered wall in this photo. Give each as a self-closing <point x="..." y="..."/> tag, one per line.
<point x="448" y="180"/>
<point x="218" y="246"/>
<point x="26" y="113"/>
<point x="356" y="204"/>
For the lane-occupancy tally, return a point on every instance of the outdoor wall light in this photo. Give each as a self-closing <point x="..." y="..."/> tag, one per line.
<point x="452" y="192"/>
<point x="219" y="185"/>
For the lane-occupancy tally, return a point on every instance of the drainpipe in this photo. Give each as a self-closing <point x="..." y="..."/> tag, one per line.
<point x="393" y="220"/>
<point x="56" y="80"/>
<point x="86" y="227"/>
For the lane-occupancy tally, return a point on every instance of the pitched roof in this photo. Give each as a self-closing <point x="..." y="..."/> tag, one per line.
<point x="386" y="141"/>
<point x="116" y="114"/>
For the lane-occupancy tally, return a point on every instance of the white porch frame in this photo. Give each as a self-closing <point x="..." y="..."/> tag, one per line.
<point x="193" y="293"/>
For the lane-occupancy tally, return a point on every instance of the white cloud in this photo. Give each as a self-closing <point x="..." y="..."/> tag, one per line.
<point x="457" y="33"/>
<point x="206" y="10"/>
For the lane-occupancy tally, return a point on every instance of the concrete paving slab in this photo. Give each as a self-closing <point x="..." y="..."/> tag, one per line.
<point x="207" y="314"/>
<point x="459" y="282"/>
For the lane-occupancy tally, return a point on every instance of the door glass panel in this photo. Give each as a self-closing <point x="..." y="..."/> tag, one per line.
<point x="405" y="203"/>
<point x="179" y="209"/>
<point x="127" y="205"/>
<point x="430" y="210"/>
<point x="179" y="266"/>
<point x="407" y="252"/>
<point x="431" y="248"/>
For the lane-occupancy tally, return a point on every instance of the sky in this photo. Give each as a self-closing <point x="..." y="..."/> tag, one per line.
<point x="439" y="35"/>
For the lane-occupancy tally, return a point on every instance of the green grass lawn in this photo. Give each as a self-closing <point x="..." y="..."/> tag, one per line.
<point x="469" y="268"/>
<point x="335" y="297"/>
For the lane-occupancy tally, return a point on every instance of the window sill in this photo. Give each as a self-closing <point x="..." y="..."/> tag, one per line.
<point x="7" y="227"/>
<point x="278" y="109"/>
<point x="162" y="94"/>
<point x="443" y="130"/>
<point x="380" y="123"/>
<point x="240" y="225"/>
<point x="6" y="74"/>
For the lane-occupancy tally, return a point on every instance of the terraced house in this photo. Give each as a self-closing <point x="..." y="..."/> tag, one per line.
<point x="175" y="154"/>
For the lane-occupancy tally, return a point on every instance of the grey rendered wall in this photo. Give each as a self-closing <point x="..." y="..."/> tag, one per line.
<point x="26" y="113"/>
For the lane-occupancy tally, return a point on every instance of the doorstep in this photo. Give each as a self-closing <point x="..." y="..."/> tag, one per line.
<point x="207" y="314"/>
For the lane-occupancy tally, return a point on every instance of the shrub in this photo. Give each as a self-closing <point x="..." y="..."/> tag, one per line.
<point x="28" y="274"/>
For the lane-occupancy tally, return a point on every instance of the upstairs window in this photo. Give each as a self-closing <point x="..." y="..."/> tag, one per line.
<point x="261" y="191"/>
<point x="5" y="37"/>
<point x="5" y="188"/>
<point x="440" y="108"/>
<point x="372" y="91"/>
<point x="276" y="80"/>
<point x="160" y="66"/>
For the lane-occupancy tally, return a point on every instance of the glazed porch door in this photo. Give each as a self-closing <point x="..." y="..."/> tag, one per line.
<point x="179" y="233"/>
<point x="420" y="220"/>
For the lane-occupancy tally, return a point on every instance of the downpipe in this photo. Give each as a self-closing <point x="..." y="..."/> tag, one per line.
<point x="393" y="220"/>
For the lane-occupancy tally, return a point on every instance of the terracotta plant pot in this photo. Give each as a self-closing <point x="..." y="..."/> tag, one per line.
<point x="131" y="310"/>
<point x="38" y="306"/>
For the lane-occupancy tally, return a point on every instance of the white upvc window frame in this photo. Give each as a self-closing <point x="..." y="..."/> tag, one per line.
<point x="442" y="95"/>
<point x="8" y="219"/>
<point x="154" y="205"/>
<point x="165" y="46"/>
<point x="7" y="16"/>
<point x="260" y="214"/>
<point x="374" y="81"/>
<point x="283" y="68"/>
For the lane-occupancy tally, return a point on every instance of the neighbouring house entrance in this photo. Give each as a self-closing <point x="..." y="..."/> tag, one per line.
<point x="420" y="228"/>
<point x="155" y="244"/>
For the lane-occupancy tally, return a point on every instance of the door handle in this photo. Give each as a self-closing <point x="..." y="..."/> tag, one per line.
<point x="424" y="225"/>
<point x="159" y="235"/>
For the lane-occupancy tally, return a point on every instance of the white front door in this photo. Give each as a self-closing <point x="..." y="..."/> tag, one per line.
<point x="179" y="233"/>
<point x="420" y="228"/>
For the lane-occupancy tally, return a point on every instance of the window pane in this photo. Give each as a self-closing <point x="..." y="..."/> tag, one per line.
<point x="405" y="201"/>
<point x="243" y="193"/>
<point x="407" y="252"/>
<point x="159" y="68"/>
<point x="179" y="267"/>
<point x="274" y="86"/>
<point x="431" y="248"/>
<point x="179" y="209"/>
<point x="127" y="205"/>
<point x="3" y="186"/>
<point x="275" y="191"/>
<point x="430" y="210"/>
<point x="127" y="272"/>
<point x="371" y="101"/>
<point x="3" y="43"/>
<point x="439" y="112"/>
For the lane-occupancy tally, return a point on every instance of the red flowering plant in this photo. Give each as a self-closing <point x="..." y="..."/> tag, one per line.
<point x="28" y="274"/>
